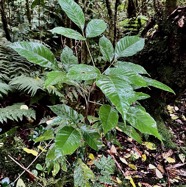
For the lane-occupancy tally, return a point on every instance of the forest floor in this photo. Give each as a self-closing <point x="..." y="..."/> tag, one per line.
<point x="153" y="164"/>
<point x="150" y="164"/>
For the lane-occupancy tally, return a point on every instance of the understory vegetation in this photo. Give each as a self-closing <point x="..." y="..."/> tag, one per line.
<point x="74" y="107"/>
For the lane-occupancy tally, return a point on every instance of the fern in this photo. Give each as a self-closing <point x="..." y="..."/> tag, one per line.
<point x="27" y="84"/>
<point x="15" y="112"/>
<point x="13" y="65"/>
<point x="4" y="89"/>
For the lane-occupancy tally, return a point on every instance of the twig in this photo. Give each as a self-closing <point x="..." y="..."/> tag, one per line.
<point x="32" y="161"/>
<point x="25" y="169"/>
<point x="117" y="163"/>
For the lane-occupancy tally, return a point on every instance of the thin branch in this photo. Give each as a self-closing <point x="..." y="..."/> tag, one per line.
<point x="33" y="161"/>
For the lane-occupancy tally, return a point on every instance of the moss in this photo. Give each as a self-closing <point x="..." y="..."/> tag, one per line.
<point x="166" y="134"/>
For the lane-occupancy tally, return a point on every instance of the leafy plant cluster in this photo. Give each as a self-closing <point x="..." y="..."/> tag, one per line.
<point x="72" y="129"/>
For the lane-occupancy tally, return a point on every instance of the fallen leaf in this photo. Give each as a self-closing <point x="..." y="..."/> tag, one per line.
<point x="131" y="181"/>
<point x="167" y="154"/>
<point x="118" y="180"/>
<point x="132" y="166"/>
<point x="174" y="117"/>
<point x="158" y="173"/>
<point x="143" y="157"/>
<point x="152" y="166"/>
<point x="41" y="148"/>
<point x="182" y="157"/>
<point x="170" y="160"/>
<point x="160" y="167"/>
<point x="20" y="183"/>
<point x="91" y="156"/>
<point x="170" y="109"/>
<point x="150" y="145"/>
<point x="113" y="150"/>
<point x="123" y="160"/>
<point x="30" y="151"/>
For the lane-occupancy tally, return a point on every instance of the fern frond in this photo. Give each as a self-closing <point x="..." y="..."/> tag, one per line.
<point x="4" y="89"/>
<point x="15" y="113"/>
<point x="13" y="65"/>
<point x="53" y="90"/>
<point x="27" y="84"/>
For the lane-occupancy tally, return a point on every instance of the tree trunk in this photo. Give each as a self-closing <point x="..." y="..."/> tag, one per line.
<point x="4" y="20"/>
<point x="170" y="6"/>
<point x="131" y="9"/>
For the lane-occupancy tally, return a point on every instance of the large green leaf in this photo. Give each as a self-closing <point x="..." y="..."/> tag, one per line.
<point x="69" y="33"/>
<point x="56" y="77"/>
<point x="130" y="131"/>
<point x="95" y="27"/>
<point x="142" y="121"/>
<point x="106" y="48"/>
<point x="68" y="59"/>
<point x="73" y="11"/>
<point x="82" y="175"/>
<point x="120" y="93"/>
<point x="109" y="117"/>
<point x="128" y="46"/>
<point x="36" y="53"/>
<point x="68" y="139"/>
<point x="127" y="75"/>
<point x="157" y="84"/>
<point x="91" y="137"/>
<point x="129" y="66"/>
<point x="83" y="72"/>
<point x="66" y="112"/>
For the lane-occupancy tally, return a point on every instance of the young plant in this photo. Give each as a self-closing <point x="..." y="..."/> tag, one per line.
<point x="120" y="82"/>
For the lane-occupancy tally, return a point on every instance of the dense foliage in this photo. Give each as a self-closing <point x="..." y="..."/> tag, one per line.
<point x="85" y="102"/>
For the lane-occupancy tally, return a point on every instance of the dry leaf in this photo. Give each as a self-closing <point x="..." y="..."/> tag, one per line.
<point x="20" y="183"/>
<point x="131" y="181"/>
<point x="91" y="156"/>
<point x="174" y="117"/>
<point x="143" y="157"/>
<point x="170" y="109"/>
<point x="123" y="160"/>
<point x="30" y="151"/>
<point x="167" y="154"/>
<point x="152" y="166"/>
<point x="150" y="145"/>
<point x="182" y="157"/>
<point x="118" y="180"/>
<point x="158" y="173"/>
<point x="113" y="150"/>
<point x="132" y="166"/>
<point x="160" y="167"/>
<point x="170" y="160"/>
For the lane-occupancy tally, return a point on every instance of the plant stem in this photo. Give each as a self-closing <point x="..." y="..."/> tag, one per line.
<point x="89" y="50"/>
